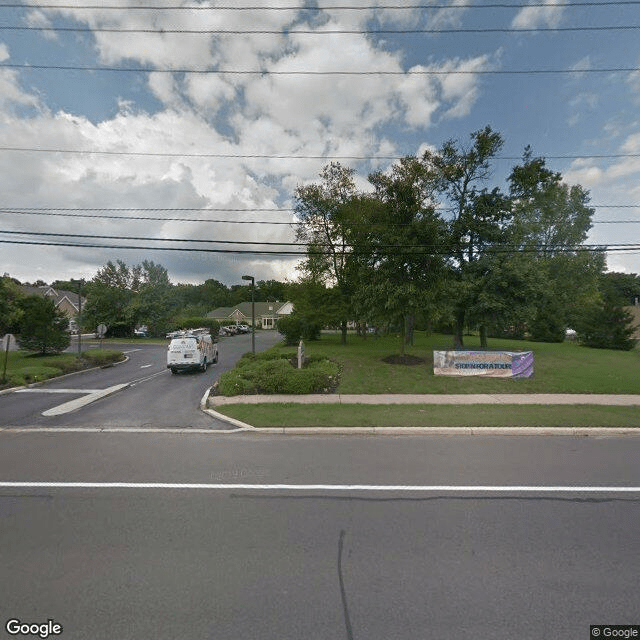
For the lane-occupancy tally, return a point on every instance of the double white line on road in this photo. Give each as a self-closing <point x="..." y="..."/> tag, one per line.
<point x="324" y="487"/>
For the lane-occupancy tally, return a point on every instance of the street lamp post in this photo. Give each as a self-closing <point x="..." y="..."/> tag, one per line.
<point x="253" y="313"/>
<point x="80" y="283"/>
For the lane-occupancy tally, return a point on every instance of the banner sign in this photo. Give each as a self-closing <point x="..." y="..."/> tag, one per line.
<point x="495" y="364"/>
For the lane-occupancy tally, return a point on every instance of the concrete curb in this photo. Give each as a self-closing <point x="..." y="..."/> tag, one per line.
<point x="240" y="426"/>
<point x="449" y="431"/>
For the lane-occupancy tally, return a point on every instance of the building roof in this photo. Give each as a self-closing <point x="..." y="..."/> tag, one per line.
<point x="57" y="295"/>
<point x="262" y="309"/>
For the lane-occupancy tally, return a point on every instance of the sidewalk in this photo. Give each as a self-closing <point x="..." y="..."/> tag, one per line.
<point x="492" y="399"/>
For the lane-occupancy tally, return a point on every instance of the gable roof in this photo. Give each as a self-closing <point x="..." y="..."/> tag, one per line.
<point x="267" y="309"/>
<point x="57" y="295"/>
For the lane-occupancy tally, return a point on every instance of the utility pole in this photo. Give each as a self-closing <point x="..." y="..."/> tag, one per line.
<point x="253" y="313"/>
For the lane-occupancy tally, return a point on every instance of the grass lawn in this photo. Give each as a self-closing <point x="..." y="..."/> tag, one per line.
<point x="559" y="368"/>
<point x="26" y="368"/>
<point x="323" y="415"/>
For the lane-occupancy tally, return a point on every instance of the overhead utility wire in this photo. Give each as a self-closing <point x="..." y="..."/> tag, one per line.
<point x="317" y="32"/>
<point x="582" y="249"/>
<point x="606" y="3"/>
<point x="58" y="213"/>
<point x="264" y="72"/>
<point x="209" y="221"/>
<point x="256" y="156"/>
<point x="422" y="246"/>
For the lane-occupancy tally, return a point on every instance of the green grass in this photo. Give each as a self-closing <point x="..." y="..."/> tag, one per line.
<point x="559" y="368"/>
<point x="26" y="368"/>
<point x="358" y="415"/>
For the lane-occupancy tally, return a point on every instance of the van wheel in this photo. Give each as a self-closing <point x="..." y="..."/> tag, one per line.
<point x="174" y="371"/>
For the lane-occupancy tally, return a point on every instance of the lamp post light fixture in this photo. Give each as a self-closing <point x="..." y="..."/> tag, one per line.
<point x="253" y="313"/>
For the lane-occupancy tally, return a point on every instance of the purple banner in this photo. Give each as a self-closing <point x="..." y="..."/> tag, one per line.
<point x="494" y="364"/>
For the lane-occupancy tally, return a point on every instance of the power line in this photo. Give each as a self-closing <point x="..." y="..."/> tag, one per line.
<point x="265" y="72"/>
<point x="552" y="5"/>
<point x="58" y="213"/>
<point x="538" y="249"/>
<point x="256" y="156"/>
<point x="431" y="247"/>
<point x="318" y="32"/>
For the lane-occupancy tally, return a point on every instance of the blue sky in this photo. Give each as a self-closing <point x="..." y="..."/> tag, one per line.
<point x="275" y="114"/>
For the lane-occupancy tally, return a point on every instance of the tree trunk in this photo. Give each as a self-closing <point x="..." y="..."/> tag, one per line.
<point x="343" y="328"/>
<point x="458" y="341"/>
<point x="402" y="335"/>
<point x="411" y="323"/>
<point x="483" y="336"/>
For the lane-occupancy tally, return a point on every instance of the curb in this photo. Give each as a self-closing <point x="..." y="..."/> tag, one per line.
<point x="240" y="426"/>
<point x="449" y="431"/>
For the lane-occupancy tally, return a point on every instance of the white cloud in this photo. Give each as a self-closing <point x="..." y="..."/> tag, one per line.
<point x="535" y="17"/>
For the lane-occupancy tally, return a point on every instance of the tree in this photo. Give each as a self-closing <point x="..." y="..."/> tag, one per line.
<point x="43" y="327"/>
<point x="325" y="220"/>
<point x="109" y="295"/>
<point x="399" y="250"/>
<point x="551" y="223"/>
<point x="476" y="216"/>
<point x="10" y="310"/>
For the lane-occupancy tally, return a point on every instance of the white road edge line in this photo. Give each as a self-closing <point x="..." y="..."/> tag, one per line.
<point x="324" y="487"/>
<point x="72" y="405"/>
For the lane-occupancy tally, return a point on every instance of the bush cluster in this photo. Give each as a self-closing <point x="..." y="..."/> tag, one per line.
<point x="102" y="357"/>
<point x="294" y="328"/>
<point x="274" y="373"/>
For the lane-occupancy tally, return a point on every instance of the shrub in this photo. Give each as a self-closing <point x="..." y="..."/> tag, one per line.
<point x="276" y="374"/>
<point x="100" y="358"/>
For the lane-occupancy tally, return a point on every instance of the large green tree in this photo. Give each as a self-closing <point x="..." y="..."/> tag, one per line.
<point x="326" y="217"/>
<point x="400" y="249"/>
<point x="10" y="309"/>
<point x="550" y="225"/>
<point x="43" y="327"/>
<point x="474" y="217"/>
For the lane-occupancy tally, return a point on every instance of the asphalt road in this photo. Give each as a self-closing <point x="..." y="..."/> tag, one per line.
<point x="153" y="398"/>
<point x="428" y="559"/>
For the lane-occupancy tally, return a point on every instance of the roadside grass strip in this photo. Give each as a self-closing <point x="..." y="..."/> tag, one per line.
<point x="436" y="416"/>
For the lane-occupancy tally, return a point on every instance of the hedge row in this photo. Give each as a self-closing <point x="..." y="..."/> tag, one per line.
<point x="273" y="373"/>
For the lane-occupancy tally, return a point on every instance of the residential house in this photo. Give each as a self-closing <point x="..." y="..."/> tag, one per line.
<point x="67" y="301"/>
<point x="267" y="313"/>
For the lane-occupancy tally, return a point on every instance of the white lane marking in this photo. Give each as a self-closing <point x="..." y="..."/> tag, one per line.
<point x="72" y="405"/>
<point x="325" y="487"/>
<point x="42" y="390"/>
<point x="133" y="383"/>
<point x="132" y="350"/>
<point x="146" y="366"/>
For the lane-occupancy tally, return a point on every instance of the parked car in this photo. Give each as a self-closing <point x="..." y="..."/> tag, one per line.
<point x="243" y="328"/>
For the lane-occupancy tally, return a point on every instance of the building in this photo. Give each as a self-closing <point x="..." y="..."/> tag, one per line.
<point x="267" y="313"/>
<point x="66" y="301"/>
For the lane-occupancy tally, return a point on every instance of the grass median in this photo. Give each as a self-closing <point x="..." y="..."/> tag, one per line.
<point x="24" y="368"/>
<point x="358" y="415"/>
<point x="559" y="368"/>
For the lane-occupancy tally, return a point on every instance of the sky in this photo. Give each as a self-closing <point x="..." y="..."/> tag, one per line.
<point x="110" y="112"/>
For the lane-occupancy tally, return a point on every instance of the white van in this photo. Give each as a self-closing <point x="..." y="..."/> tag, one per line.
<point x="191" y="350"/>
